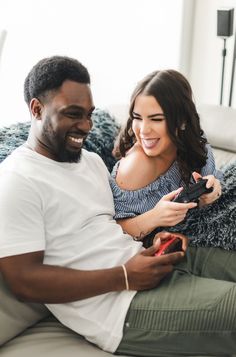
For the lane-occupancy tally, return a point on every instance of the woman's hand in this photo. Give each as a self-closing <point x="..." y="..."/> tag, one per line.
<point x="213" y="182"/>
<point x="168" y="213"/>
<point x="161" y="237"/>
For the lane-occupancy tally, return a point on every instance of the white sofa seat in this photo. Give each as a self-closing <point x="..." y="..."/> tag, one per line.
<point x="219" y="124"/>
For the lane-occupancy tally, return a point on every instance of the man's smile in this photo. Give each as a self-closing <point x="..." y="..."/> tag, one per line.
<point x="75" y="140"/>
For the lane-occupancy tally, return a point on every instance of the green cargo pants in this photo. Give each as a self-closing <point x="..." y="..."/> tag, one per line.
<point x="192" y="312"/>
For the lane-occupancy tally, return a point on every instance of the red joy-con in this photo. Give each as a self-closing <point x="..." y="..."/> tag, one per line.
<point x="171" y="245"/>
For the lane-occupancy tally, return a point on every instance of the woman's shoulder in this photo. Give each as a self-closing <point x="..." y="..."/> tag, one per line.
<point x="136" y="170"/>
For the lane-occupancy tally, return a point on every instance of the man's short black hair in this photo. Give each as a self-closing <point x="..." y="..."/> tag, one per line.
<point x="50" y="73"/>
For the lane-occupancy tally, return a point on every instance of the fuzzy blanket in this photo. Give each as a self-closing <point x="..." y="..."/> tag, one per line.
<point x="214" y="225"/>
<point x="100" y="139"/>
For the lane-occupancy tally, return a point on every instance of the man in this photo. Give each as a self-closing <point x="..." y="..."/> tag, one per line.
<point x="60" y="245"/>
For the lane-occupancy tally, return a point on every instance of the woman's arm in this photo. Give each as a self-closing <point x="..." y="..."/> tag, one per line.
<point x="135" y="172"/>
<point x="164" y="214"/>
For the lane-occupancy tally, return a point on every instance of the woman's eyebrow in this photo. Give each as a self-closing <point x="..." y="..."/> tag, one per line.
<point x="138" y="115"/>
<point x="156" y="115"/>
<point x="152" y="115"/>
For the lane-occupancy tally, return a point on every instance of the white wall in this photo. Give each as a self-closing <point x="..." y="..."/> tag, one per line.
<point x="206" y="60"/>
<point x="119" y="41"/>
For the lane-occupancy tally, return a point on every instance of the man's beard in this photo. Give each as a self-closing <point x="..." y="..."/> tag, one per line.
<point x="65" y="155"/>
<point x="57" y="145"/>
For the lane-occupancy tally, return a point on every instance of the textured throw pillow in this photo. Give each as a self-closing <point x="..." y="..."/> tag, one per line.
<point x="16" y="316"/>
<point x="100" y="140"/>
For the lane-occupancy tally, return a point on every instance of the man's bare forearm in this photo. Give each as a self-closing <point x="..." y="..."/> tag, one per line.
<point x="36" y="282"/>
<point x="33" y="281"/>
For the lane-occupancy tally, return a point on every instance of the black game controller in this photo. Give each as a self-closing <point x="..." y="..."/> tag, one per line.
<point x="193" y="192"/>
<point x="190" y="194"/>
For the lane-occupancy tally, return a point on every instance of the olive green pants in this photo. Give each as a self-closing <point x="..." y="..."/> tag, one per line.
<point x="192" y="312"/>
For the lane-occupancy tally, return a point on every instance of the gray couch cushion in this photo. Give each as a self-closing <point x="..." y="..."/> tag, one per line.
<point x="49" y="338"/>
<point x="219" y="124"/>
<point x="16" y="316"/>
<point x="223" y="157"/>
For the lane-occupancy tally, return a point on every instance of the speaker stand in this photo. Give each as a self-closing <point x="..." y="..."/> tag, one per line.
<point x="223" y="71"/>
<point x="232" y="73"/>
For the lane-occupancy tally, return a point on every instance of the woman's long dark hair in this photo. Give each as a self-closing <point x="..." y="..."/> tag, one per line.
<point x="174" y="94"/>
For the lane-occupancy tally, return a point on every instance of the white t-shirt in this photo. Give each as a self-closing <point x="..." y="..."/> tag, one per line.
<point x="66" y="209"/>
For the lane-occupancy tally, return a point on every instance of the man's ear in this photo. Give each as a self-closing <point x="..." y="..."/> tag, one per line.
<point x="36" y="108"/>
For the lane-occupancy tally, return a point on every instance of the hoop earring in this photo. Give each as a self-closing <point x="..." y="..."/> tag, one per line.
<point x="130" y="132"/>
<point x="183" y="126"/>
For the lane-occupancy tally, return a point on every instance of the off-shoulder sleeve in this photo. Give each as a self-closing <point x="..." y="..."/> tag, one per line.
<point x="130" y="203"/>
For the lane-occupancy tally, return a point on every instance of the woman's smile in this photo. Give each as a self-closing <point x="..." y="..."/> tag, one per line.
<point x="149" y="143"/>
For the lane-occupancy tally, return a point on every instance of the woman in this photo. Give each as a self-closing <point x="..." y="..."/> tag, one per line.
<point x="162" y="149"/>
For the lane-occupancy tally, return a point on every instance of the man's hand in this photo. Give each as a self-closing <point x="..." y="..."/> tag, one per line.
<point x="145" y="271"/>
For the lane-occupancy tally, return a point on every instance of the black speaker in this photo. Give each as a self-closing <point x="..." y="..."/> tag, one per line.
<point x="225" y="20"/>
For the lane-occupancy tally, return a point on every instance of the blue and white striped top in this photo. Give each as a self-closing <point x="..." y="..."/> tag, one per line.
<point x="132" y="203"/>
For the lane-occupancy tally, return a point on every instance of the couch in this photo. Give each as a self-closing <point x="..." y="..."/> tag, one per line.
<point x="30" y="329"/>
